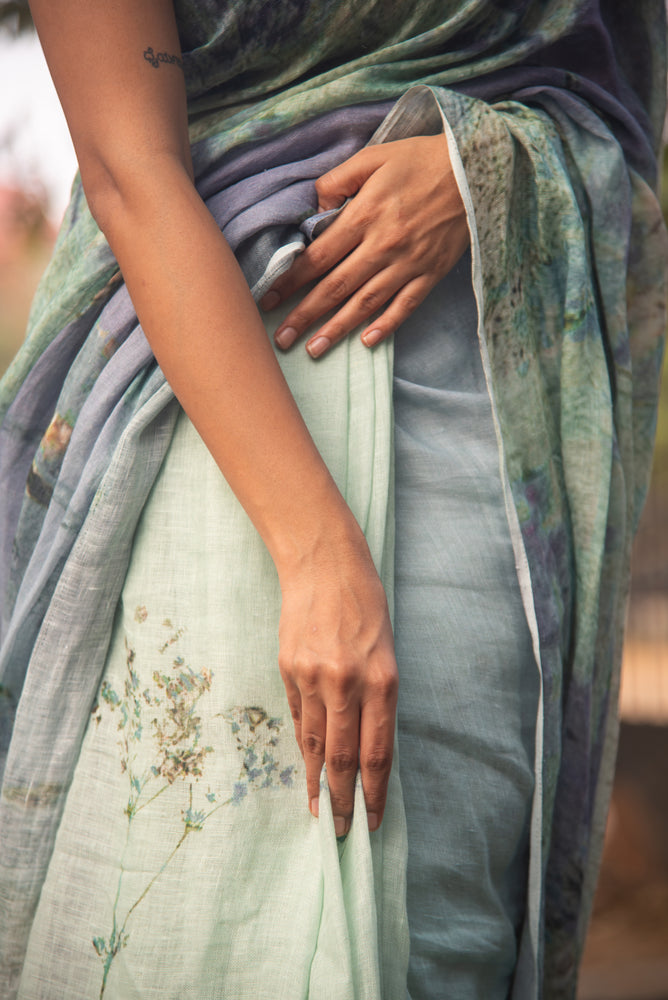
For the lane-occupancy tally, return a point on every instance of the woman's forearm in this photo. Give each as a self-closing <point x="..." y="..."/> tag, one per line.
<point x="204" y="328"/>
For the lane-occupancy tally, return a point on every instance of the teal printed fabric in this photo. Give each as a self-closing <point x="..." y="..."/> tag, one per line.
<point x="553" y="112"/>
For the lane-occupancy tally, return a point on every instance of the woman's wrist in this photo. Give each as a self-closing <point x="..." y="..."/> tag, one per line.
<point x="322" y="535"/>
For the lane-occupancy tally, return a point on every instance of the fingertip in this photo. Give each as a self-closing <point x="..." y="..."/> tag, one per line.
<point x="318" y="346"/>
<point x="340" y="826"/>
<point x="314" y="806"/>
<point x="270" y="300"/>
<point x="330" y="204"/>
<point x="373" y="821"/>
<point x="372" y="337"/>
<point x="286" y="337"/>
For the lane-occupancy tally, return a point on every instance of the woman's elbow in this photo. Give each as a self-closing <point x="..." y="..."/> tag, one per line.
<point x="127" y="187"/>
<point x="103" y="194"/>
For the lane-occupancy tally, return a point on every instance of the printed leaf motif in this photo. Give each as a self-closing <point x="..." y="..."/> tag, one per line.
<point x="166" y="713"/>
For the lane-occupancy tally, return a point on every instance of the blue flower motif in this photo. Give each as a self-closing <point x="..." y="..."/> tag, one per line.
<point x="286" y="776"/>
<point x="240" y="792"/>
<point x="109" y="695"/>
<point x="193" y="819"/>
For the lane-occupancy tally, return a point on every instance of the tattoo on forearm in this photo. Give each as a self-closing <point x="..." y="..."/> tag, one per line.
<point x="155" y="58"/>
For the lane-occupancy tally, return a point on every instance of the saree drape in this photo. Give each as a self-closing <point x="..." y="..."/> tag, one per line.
<point x="552" y="111"/>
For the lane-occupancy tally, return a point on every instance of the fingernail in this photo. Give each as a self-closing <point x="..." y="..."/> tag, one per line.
<point x="372" y="820"/>
<point x="286" y="337"/>
<point x="372" y="337"/>
<point x="339" y="826"/>
<point x="270" y="300"/>
<point x="315" y="807"/>
<point x="318" y="346"/>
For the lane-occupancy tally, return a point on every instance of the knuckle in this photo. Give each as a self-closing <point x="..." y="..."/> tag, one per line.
<point x="325" y="182"/>
<point x="308" y="677"/>
<point x="296" y="713"/>
<point x="284" y="664"/>
<point x="337" y="287"/>
<point x="377" y="761"/>
<point x="366" y="219"/>
<point x="301" y="672"/>
<point x="393" y="241"/>
<point x="370" y="301"/>
<point x="410" y="302"/>
<point x="317" y="257"/>
<point x="314" y="745"/>
<point x="387" y="686"/>
<point x="343" y="676"/>
<point x="342" y="761"/>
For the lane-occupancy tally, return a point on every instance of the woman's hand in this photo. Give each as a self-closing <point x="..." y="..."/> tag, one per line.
<point x="337" y="663"/>
<point x="392" y="243"/>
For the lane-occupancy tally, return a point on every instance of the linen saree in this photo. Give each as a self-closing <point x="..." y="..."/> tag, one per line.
<point x="547" y="109"/>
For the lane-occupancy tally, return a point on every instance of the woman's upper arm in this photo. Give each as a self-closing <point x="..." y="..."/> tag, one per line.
<point x="124" y="110"/>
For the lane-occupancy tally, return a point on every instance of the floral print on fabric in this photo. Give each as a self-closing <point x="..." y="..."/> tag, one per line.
<point x="165" y="715"/>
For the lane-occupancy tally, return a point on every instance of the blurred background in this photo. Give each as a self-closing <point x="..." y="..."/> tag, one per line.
<point x="627" y="949"/>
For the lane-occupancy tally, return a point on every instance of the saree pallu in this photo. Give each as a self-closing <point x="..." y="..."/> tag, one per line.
<point x="555" y="167"/>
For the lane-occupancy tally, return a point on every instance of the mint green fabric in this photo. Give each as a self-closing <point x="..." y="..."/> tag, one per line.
<point x="569" y="254"/>
<point x="186" y="862"/>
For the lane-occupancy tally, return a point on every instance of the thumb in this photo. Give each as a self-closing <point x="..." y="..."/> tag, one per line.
<point x="334" y="187"/>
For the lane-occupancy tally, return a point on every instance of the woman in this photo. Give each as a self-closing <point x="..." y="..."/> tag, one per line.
<point x="153" y="845"/>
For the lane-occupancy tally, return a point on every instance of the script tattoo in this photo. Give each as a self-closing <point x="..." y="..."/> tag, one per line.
<point x="155" y="58"/>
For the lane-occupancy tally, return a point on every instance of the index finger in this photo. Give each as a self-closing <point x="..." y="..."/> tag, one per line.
<point x="318" y="258"/>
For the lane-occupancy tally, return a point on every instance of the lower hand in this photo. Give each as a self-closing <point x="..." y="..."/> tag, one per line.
<point x="403" y="230"/>
<point x="338" y="666"/>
